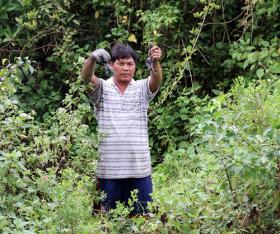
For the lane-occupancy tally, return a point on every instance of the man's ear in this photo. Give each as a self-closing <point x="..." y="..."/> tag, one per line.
<point x="112" y="65"/>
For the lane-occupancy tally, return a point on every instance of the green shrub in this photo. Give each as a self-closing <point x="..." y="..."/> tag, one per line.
<point x="47" y="169"/>
<point x="227" y="179"/>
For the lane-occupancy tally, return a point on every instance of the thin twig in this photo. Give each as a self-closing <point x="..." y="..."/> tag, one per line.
<point x="225" y="26"/>
<point x="198" y="34"/>
<point x="51" y="31"/>
<point x="7" y="50"/>
<point x="168" y="137"/>
<point x="185" y="66"/>
<point x="227" y="22"/>
<point x="203" y="56"/>
<point x="229" y="182"/>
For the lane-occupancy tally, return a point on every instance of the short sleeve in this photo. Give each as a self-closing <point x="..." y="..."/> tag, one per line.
<point x="94" y="95"/>
<point x="148" y="93"/>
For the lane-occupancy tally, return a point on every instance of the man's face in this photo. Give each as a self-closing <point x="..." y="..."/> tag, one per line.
<point x="124" y="69"/>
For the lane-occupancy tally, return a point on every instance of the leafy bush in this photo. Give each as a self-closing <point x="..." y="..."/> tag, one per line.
<point x="228" y="178"/>
<point x="46" y="168"/>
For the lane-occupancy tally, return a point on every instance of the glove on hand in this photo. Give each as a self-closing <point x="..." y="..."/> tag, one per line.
<point x="101" y="56"/>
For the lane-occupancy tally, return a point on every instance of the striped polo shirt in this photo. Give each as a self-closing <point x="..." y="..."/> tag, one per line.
<point x="123" y="129"/>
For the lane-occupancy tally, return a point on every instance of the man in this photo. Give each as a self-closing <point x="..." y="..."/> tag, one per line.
<point x="120" y="105"/>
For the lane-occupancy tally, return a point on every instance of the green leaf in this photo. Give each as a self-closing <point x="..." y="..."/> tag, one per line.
<point x="275" y="68"/>
<point x="246" y="63"/>
<point x="260" y="73"/>
<point x="5" y="62"/>
<point x="252" y="57"/>
<point x="76" y="22"/>
<point x="216" y="91"/>
<point x="265" y="43"/>
<point x="132" y="38"/>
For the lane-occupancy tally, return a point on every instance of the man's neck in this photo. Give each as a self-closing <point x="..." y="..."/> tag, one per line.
<point x="122" y="86"/>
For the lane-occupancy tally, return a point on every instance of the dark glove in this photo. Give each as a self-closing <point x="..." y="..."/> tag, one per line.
<point x="101" y="56"/>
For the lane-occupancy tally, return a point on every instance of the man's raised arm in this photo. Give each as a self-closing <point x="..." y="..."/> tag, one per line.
<point x="98" y="56"/>
<point x="156" y="71"/>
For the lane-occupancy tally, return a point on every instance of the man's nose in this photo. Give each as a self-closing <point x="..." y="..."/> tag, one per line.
<point x="125" y="67"/>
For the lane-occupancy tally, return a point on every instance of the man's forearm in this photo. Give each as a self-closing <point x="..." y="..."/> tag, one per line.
<point x="88" y="70"/>
<point x="88" y="73"/>
<point x="155" y="76"/>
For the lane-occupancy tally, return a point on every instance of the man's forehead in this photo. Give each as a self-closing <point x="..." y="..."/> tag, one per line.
<point x="130" y="59"/>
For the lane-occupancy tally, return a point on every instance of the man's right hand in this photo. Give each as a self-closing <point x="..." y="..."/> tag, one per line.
<point x="101" y="56"/>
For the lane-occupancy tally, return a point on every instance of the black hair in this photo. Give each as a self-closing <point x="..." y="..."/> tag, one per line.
<point x="122" y="51"/>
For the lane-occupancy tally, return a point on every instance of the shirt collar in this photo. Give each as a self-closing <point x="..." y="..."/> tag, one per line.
<point x="110" y="81"/>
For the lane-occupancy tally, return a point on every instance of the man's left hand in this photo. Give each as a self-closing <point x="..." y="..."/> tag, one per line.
<point x="155" y="53"/>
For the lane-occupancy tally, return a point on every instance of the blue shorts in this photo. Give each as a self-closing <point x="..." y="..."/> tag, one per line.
<point x="120" y="190"/>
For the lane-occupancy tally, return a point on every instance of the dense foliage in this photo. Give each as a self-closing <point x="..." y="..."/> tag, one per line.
<point x="214" y="128"/>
